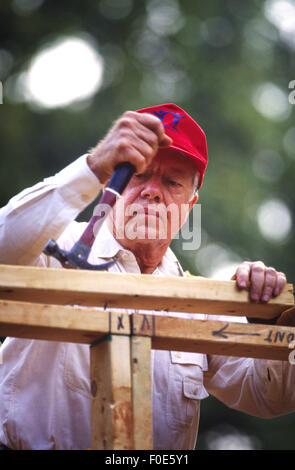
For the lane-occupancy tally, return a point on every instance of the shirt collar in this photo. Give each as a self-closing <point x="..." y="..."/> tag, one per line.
<point x="106" y="246"/>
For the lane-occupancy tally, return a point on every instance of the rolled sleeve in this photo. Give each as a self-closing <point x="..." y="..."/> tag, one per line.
<point x="44" y="211"/>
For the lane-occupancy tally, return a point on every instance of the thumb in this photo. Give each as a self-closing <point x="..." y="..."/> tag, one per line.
<point x="166" y="141"/>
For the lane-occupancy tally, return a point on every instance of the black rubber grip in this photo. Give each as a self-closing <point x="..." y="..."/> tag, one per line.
<point x="121" y="177"/>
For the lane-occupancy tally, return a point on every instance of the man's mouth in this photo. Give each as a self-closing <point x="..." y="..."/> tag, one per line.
<point x="150" y="211"/>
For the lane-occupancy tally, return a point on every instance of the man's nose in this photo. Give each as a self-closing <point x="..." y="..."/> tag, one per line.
<point x="153" y="189"/>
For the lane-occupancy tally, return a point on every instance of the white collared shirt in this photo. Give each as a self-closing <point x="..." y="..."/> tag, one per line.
<point x="44" y="386"/>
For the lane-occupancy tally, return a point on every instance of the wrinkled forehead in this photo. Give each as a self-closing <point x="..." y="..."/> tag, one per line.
<point x="171" y="159"/>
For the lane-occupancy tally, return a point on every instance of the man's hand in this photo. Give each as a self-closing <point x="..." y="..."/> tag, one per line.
<point x="263" y="282"/>
<point x="135" y="137"/>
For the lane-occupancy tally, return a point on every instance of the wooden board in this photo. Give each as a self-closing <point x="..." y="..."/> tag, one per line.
<point x="135" y="291"/>
<point x="141" y="392"/>
<point x="111" y="404"/>
<point x="58" y="322"/>
<point x="34" y="302"/>
<point x="86" y="325"/>
<point x="217" y="337"/>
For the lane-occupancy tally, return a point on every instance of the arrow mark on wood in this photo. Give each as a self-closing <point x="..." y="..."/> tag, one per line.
<point x="222" y="332"/>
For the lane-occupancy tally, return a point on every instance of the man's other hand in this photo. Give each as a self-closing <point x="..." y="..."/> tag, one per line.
<point x="263" y="282"/>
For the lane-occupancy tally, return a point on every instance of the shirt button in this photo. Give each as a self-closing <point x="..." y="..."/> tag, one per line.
<point x="125" y="256"/>
<point x="178" y="355"/>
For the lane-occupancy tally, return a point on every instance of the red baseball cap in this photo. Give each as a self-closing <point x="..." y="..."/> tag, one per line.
<point x="188" y="137"/>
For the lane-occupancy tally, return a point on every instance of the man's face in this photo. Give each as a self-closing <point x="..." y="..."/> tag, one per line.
<point x="156" y="203"/>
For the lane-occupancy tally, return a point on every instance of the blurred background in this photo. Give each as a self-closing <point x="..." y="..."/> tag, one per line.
<point x="68" y="69"/>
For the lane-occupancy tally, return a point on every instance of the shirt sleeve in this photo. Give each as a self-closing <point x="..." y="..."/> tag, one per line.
<point x="44" y="211"/>
<point x="263" y="388"/>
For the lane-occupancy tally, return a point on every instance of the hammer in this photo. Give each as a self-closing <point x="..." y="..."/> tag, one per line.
<point x="77" y="257"/>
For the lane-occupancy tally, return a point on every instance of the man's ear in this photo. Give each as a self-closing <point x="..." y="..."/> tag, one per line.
<point x="193" y="201"/>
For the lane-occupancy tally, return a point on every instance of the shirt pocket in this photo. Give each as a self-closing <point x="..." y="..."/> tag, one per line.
<point x="185" y="389"/>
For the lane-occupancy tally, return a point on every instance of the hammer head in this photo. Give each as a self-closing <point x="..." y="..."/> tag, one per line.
<point x="75" y="258"/>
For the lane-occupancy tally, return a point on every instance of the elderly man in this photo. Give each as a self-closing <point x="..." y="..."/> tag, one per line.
<point x="44" y="386"/>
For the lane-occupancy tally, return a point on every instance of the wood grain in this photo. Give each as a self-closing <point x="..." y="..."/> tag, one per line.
<point x="135" y="291"/>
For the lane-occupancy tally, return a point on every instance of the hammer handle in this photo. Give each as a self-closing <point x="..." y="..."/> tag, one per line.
<point x="121" y="177"/>
<point x="118" y="182"/>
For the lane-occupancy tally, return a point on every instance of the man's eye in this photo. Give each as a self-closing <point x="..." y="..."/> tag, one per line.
<point x="174" y="183"/>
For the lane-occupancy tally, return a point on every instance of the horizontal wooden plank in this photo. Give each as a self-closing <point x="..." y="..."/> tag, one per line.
<point x="86" y="325"/>
<point x="135" y="291"/>
<point x="59" y="323"/>
<point x="223" y="338"/>
<point x="216" y="337"/>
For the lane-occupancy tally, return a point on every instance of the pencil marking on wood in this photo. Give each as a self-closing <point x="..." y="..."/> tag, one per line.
<point x="223" y="332"/>
<point x="120" y="322"/>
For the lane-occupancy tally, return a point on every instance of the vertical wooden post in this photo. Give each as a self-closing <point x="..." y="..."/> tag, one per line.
<point x="141" y="392"/>
<point x="111" y="410"/>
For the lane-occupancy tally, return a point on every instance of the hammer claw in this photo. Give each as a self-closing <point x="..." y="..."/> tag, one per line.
<point x="52" y="249"/>
<point x="76" y="258"/>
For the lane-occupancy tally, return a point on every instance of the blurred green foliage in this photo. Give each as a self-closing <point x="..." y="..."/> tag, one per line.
<point x="208" y="57"/>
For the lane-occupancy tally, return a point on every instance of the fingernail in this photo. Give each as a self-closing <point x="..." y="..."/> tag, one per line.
<point x="243" y="284"/>
<point x="255" y="297"/>
<point x="265" y="298"/>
